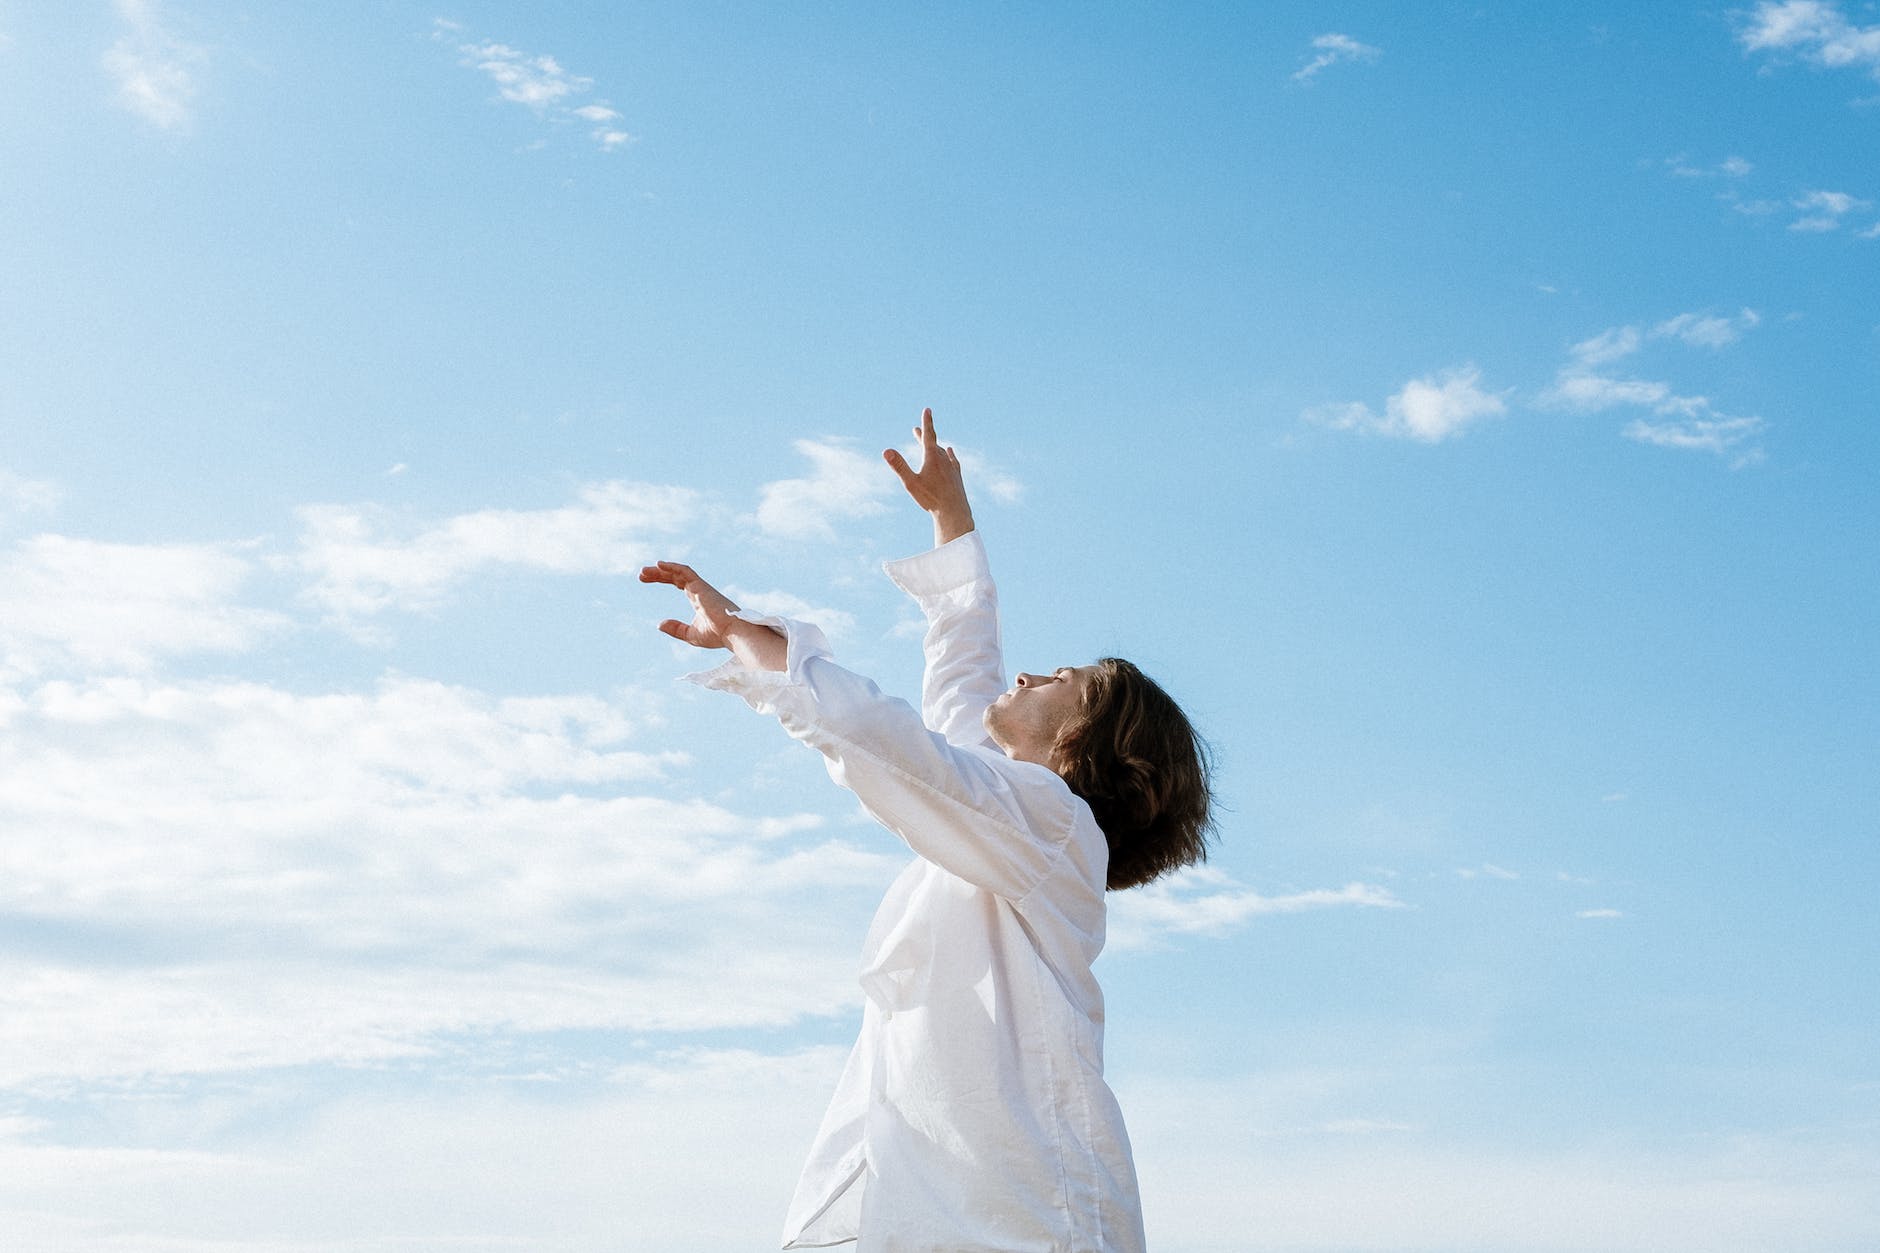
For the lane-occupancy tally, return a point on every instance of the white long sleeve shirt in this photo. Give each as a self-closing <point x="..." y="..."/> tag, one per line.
<point x="972" y="1116"/>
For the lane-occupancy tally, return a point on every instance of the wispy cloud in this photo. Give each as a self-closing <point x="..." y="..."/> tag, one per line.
<point x="837" y="622"/>
<point x="1815" y="31"/>
<point x="1832" y="202"/>
<point x="843" y="483"/>
<point x="1607" y="346"/>
<point x="360" y="564"/>
<point x="19" y="495"/>
<point x="540" y="83"/>
<point x="1687" y="422"/>
<point x="1428" y="410"/>
<point x="1824" y="211"/>
<point x="67" y="602"/>
<point x="1205" y="901"/>
<point x="155" y="71"/>
<point x="1811" y="211"/>
<point x="984" y="478"/>
<point x="1331" y="49"/>
<point x="1707" y="330"/>
<point x="1681" y="166"/>
<point x="1726" y="437"/>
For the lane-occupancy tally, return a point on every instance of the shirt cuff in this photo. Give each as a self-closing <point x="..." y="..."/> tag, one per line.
<point x="803" y="642"/>
<point x="955" y="564"/>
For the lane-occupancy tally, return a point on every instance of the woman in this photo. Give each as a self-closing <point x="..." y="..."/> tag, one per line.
<point x="973" y="1116"/>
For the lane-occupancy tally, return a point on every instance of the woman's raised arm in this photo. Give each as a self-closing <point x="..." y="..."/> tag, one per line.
<point x="965" y="670"/>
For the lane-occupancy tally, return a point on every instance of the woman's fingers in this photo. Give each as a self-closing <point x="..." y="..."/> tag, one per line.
<point x="677" y="629"/>
<point x="680" y="576"/>
<point x="902" y="470"/>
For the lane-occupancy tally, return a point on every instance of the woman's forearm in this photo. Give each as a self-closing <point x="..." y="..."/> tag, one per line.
<point x="756" y="647"/>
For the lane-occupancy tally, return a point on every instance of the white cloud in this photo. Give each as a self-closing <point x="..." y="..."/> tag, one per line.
<point x="843" y="483"/>
<point x="535" y="81"/>
<point x="1833" y="202"/>
<point x="1607" y="346"/>
<point x="66" y="602"/>
<point x="1592" y="393"/>
<point x="148" y="1023"/>
<point x="1691" y="423"/>
<point x="1680" y="166"/>
<point x="359" y="566"/>
<point x="1706" y="331"/>
<point x="1754" y="208"/>
<point x="1203" y="901"/>
<point x="1317" y="1191"/>
<point x="1487" y="870"/>
<point x="1332" y="49"/>
<point x="154" y="70"/>
<point x="1824" y="211"/>
<point x="696" y="1151"/>
<point x="1365" y="1126"/>
<point x="1816" y="31"/>
<point x="1599" y="913"/>
<point x="347" y="877"/>
<point x="1818" y="210"/>
<point x="539" y="83"/>
<point x="836" y="622"/>
<point x="22" y="495"/>
<point x="1725" y="437"/>
<point x="688" y="1151"/>
<point x="985" y="479"/>
<point x="1428" y="410"/>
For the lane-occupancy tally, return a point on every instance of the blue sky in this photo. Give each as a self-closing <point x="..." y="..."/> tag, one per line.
<point x="1467" y="411"/>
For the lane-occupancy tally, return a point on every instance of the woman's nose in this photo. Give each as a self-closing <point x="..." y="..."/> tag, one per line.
<point x="1028" y="680"/>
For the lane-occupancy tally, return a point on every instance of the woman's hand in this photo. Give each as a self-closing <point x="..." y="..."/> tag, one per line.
<point x="712" y="624"/>
<point x="937" y="486"/>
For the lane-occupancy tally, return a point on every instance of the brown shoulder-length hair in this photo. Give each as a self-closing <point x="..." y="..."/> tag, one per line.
<point x="1131" y="753"/>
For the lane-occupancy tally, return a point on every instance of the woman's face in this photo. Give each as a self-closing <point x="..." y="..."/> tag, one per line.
<point x="1025" y="720"/>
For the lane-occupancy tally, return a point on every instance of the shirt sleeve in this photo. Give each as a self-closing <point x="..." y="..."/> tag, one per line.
<point x="997" y="823"/>
<point x="965" y="671"/>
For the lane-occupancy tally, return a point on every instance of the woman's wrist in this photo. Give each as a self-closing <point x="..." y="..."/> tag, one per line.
<point x="758" y="647"/>
<point x="950" y="524"/>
